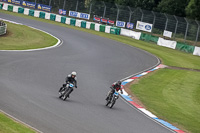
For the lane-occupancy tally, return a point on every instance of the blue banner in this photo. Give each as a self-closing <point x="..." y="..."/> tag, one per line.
<point x="120" y="24"/>
<point x="28" y="4"/>
<point x="73" y="14"/>
<point x="129" y="25"/>
<point x="62" y="12"/>
<point x="44" y="7"/>
<point x="85" y="16"/>
<point x="16" y="2"/>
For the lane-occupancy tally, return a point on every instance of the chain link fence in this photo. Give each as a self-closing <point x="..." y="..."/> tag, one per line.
<point x="183" y="29"/>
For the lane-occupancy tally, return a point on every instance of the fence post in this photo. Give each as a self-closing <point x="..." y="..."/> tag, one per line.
<point x="64" y="4"/>
<point x="154" y="18"/>
<point x="117" y="12"/>
<point x="50" y="3"/>
<point x="142" y="14"/>
<point x="90" y="8"/>
<point x="197" y="32"/>
<point x="130" y="14"/>
<point x="186" y="30"/>
<point x="166" y="21"/>
<point x="76" y="5"/>
<point x="104" y="12"/>
<point x="176" y="26"/>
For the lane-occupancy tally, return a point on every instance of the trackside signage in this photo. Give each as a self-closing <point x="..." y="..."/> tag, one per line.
<point x="28" y="4"/>
<point x="79" y="15"/>
<point x="44" y="7"/>
<point x="144" y="26"/>
<point x="16" y="2"/>
<point x="120" y="23"/>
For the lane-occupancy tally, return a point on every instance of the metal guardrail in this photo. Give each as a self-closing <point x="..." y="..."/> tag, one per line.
<point x="3" y="28"/>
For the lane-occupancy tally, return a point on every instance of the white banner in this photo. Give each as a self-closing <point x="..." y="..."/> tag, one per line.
<point x="88" y="25"/>
<point x="58" y="18"/>
<point x="36" y="13"/>
<point x="196" y="51"/>
<point x="15" y="8"/>
<point x="130" y="33"/>
<point x="144" y="26"/>
<point x="167" y="33"/>
<point x="107" y="30"/>
<point x="78" y="23"/>
<point x="26" y="11"/>
<point x="79" y="15"/>
<point x="120" y="23"/>
<point x="47" y="15"/>
<point x="5" y="6"/>
<point x="67" y="20"/>
<point x="97" y="26"/>
<point x="166" y="43"/>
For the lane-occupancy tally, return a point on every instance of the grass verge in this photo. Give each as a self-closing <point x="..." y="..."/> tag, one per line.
<point x="8" y="125"/>
<point x="168" y="56"/>
<point x="21" y="37"/>
<point x="173" y="95"/>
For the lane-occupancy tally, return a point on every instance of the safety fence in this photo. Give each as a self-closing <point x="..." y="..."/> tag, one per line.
<point x="104" y="28"/>
<point x="3" y="27"/>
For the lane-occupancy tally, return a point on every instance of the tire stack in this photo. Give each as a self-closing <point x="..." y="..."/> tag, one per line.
<point x="3" y="28"/>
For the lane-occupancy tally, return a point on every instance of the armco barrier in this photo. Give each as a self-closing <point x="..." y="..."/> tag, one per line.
<point x="3" y="28"/>
<point x="185" y="47"/>
<point x="63" y="19"/>
<point x="1" y="5"/>
<point x="83" y="24"/>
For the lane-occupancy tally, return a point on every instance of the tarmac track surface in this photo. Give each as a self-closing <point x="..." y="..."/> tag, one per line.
<point x="29" y="83"/>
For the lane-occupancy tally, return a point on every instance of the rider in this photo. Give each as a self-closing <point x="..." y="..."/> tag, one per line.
<point x="115" y="86"/>
<point x="71" y="78"/>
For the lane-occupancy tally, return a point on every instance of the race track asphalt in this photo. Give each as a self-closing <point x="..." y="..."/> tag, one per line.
<point x="29" y="83"/>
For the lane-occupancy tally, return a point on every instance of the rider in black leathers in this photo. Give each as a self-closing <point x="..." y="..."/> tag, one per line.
<point x="71" y="78"/>
<point x="115" y="87"/>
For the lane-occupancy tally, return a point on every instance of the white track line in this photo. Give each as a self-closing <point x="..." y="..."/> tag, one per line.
<point x="12" y="117"/>
<point x="59" y="43"/>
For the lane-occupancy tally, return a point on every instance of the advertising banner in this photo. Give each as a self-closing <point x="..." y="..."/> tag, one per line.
<point x="62" y="12"/>
<point x="104" y="20"/>
<point x="97" y="19"/>
<point x="84" y="15"/>
<point x="73" y="14"/>
<point x="44" y="7"/>
<point x="144" y="26"/>
<point x="111" y="22"/>
<point x="129" y="25"/>
<point x="28" y="4"/>
<point x="167" y="33"/>
<point x="120" y="24"/>
<point x="16" y="2"/>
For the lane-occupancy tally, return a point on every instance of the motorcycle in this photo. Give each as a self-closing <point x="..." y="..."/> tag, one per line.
<point x="64" y="94"/>
<point x="111" y="100"/>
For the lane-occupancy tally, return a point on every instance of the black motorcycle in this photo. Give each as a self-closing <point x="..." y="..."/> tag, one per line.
<point x="112" y="99"/>
<point x="64" y="94"/>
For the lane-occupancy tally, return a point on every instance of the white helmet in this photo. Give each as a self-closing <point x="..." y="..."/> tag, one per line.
<point x="74" y="73"/>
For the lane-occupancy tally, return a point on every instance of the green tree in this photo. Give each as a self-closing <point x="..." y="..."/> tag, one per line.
<point x="173" y="7"/>
<point x="193" y="9"/>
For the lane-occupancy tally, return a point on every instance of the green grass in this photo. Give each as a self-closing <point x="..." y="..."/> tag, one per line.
<point x="7" y="125"/>
<point x="20" y="37"/>
<point x="173" y="95"/>
<point x="168" y="56"/>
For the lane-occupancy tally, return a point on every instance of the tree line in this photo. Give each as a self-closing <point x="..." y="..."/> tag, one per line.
<point x="182" y="8"/>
